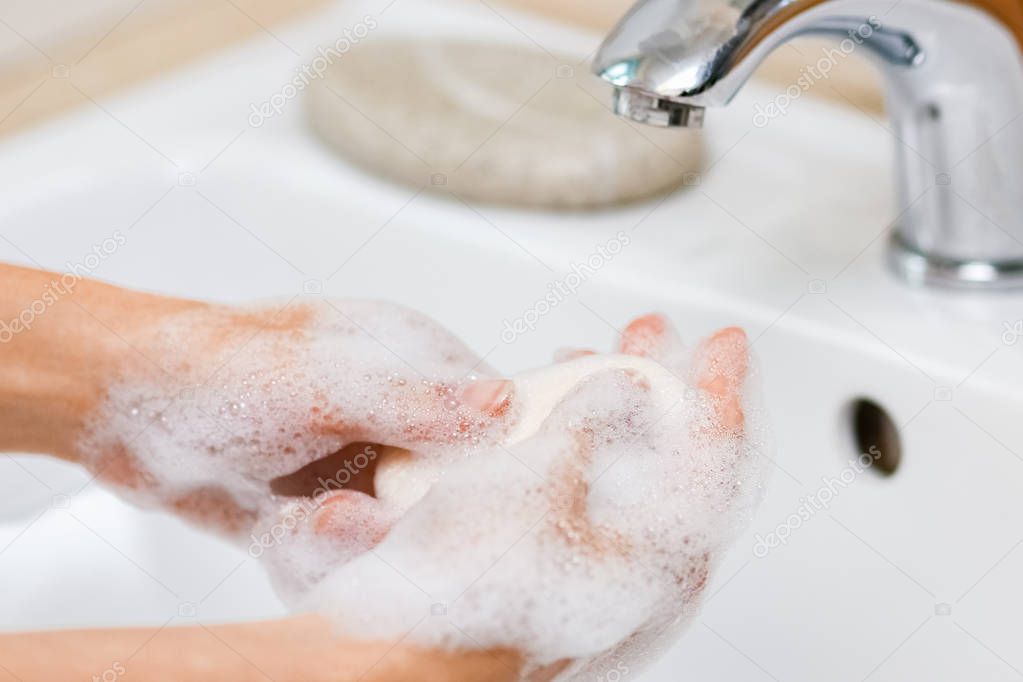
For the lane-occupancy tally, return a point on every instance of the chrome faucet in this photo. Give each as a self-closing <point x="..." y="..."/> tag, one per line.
<point x="954" y="77"/>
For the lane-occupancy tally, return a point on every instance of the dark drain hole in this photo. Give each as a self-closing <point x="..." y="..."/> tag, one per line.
<point x="876" y="435"/>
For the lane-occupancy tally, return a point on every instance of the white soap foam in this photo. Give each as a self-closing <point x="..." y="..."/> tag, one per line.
<point x="579" y="528"/>
<point x="502" y="552"/>
<point x="277" y="396"/>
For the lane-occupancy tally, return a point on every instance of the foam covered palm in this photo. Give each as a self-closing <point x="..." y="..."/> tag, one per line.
<point x="582" y="536"/>
<point x="384" y="475"/>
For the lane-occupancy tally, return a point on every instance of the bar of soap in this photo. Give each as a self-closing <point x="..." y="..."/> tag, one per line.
<point x="402" y="479"/>
<point x="493" y="123"/>
<point x="585" y="536"/>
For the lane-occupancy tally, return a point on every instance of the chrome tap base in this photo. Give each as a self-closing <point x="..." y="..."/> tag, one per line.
<point x="953" y="71"/>
<point x="919" y="268"/>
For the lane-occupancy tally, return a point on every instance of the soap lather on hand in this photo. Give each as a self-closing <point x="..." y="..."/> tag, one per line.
<point x="566" y="517"/>
<point x="584" y="533"/>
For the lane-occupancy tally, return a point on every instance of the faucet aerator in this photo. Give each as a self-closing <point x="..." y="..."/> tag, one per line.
<point x="643" y="107"/>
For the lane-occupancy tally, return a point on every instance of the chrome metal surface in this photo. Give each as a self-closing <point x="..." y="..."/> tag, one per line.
<point x="656" y="111"/>
<point x="920" y="268"/>
<point x="954" y="76"/>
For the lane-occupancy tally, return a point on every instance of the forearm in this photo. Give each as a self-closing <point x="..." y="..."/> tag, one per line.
<point x="284" y="651"/>
<point x="61" y="338"/>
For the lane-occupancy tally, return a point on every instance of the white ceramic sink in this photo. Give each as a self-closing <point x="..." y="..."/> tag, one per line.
<point x="908" y="577"/>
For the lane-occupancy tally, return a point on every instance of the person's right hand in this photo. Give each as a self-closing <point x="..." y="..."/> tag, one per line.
<point x="708" y="472"/>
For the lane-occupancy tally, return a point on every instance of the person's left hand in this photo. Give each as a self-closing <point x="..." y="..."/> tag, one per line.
<point x="227" y="413"/>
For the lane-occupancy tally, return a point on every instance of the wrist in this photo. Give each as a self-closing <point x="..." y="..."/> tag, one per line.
<point x="62" y="340"/>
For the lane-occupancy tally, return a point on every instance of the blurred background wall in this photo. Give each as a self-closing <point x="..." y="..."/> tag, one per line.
<point x="111" y="44"/>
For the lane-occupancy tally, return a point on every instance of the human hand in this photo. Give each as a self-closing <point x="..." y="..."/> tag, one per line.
<point x="112" y="379"/>
<point x="237" y="409"/>
<point x="201" y="408"/>
<point x="73" y="381"/>
<point x="613" y="512"/>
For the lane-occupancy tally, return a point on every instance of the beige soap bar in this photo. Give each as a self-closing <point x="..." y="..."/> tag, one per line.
<point x="494" y="123"/>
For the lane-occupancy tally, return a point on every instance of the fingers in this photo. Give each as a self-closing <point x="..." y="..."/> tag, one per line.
<point x="568" y="354"/>
<point x="491" y="397"/>
<point x="450" y="412"/>
<point x="647" y="336"/>
<point x="404" y="478"/>
<point x="601" y="412"/>
<point x="416" y="413"/>
<point x="214" y="507"/>
<point x="339" y="526"/>
<point x="720" y="365"/>
<point x="355" y="519"/>
<point x="336" y="497"/>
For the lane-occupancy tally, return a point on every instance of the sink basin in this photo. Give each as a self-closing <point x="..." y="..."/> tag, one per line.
<point x="907" y="576"/>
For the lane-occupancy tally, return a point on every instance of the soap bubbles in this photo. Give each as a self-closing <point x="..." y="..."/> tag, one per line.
<point x="578" y="524"/>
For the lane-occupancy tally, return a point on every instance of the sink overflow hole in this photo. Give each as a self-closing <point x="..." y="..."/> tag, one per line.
<point x="876" y="434"/>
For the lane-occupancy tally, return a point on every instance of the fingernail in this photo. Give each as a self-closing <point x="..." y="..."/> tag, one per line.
<point x="490" y="396"/>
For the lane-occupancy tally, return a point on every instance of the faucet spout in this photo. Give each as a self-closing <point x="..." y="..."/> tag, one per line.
<point x="954" y="77"/>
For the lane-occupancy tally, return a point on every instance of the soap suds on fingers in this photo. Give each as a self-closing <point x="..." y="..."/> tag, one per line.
<point x="585" y="537"/>
<point x="244" y="398"/>
<point x="577" y="520"/>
